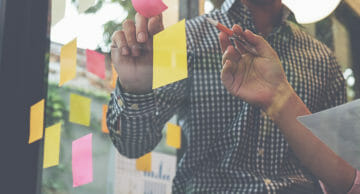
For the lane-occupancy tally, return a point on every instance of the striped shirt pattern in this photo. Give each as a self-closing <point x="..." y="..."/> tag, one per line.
<point x="232" y="146"/>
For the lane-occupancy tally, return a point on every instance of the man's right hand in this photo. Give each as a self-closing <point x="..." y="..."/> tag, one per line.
<point x="132" y="53"/>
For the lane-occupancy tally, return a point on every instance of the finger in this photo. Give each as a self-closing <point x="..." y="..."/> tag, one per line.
<point x="155" y="25"/>
<point x="227" y="77"/>
<point x="141" y="28"/>
<point x="119" y="41"/>
<point x="130" y="32"/>
<point x="261" y="45"/>
<point x="224" y="41"/>
<point x="238" y="31"/>
<point x="231" y="54"/>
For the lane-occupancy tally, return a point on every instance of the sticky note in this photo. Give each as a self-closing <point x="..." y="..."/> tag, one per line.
<point x="170" y="57"/>
<point x="57" y="11"/>
<point x="95" y="63"/>
<point x="68" y="55"/>
<point x="82" y="167"/>
<point x="79" y="109"/>
<point x="173" y="135"/>
<point x="104" y="128"/>
<point x="144" y="163"/>
<point x="52" y="145"/>
<point x="171" y="15"/>
<point x="149" y="8"/>
<point x="85" y="4"/>
<point x="113" y="77"/>
<point x="36" y="121"/>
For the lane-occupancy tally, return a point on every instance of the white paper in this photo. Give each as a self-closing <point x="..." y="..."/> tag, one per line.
<point x="339" y="128"/>
<point x="130" y="180"/>
<point x="57" y="11"/>
<point x="85" y="4"/>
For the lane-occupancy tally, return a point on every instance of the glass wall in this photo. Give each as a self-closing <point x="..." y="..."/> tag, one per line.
<point x="91" y="26"/>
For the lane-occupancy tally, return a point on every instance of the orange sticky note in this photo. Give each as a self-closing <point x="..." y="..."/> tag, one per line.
<point x="170" y="55"/>
<point x="114" y="76"/>
<point x="144" y="163"/>
<point x="68" y="56"/>
<point x="173" y="135"/>
<point x="52" y="145"/>
<point x="36" y="121"/>
<point x="79" y="109"/>
<point x="104" y="128"/>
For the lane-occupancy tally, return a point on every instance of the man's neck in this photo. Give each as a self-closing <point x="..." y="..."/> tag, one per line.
<point x="265" y="16"/>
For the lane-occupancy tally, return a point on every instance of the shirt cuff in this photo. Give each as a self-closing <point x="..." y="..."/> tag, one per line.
<point x="132" y="105"/>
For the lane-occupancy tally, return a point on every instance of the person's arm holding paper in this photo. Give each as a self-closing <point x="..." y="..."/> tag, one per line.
<point x="261" y="80"/>
<point x="136" y="113"/>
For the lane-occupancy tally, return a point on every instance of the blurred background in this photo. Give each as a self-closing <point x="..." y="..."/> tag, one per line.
<point x="93" y="29"/>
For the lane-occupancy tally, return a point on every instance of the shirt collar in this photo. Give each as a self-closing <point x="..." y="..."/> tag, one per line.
<point x="242" y="14"/>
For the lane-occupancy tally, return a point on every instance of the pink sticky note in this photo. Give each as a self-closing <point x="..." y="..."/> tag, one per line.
<point x="149" y="8"/>
<point x="82" y="169"/>
<point x="95" y="63"/>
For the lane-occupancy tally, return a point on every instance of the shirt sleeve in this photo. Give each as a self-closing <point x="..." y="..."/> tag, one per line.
<point x="335" y="91"/>
<point x="135" y="122"/>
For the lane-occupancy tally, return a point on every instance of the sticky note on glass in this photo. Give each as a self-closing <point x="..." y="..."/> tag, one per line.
<point x="57" y="11"/>
<point x="171" y="15"/>
<point x="113" y="77"/>
<point x="85" y="4"/>
<point x="82" y="168"/>
<point x="68" y="62"/>
<point x="144" y="163"/>
<point x="52" y="145"/>
<point x="79" y="109"/>
<point x="149" y="8"/>
<point x="36" y="121"/>
<point x="173" y="135"/>
<point x="170" y="55"/>
<point x="95" y="63"/>
<point x="104" y="128"/>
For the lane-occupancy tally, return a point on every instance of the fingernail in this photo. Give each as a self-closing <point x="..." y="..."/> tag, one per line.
<point x="125" y="51"/>
<point x="141" y="37"/>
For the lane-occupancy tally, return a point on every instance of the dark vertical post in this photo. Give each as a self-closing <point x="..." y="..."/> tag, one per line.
<point x="352" y="22"/>
<point x="23" y="44"/>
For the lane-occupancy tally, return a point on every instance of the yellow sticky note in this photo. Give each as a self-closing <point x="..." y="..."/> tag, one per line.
<point x="79" y="109"/>
<point x="36" y="121"/>
<point x="144" y="163"/>
<point x="173" y="135"/>
<point x="170" y="57"/>
<point x="68" y="62"/>
<point x="113" y="77"/>
<point x="52" y="145"/>
<point x="104" y="128"/>
<point x="171" y="14"/>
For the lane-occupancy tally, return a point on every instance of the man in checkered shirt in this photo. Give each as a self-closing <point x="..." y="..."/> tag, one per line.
<point x="232" y="146"/>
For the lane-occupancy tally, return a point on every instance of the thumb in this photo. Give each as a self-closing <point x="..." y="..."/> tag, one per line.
<point x="261" y="45"/>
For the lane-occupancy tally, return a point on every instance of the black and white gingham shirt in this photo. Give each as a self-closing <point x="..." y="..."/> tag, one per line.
<point x="232" y="147"/>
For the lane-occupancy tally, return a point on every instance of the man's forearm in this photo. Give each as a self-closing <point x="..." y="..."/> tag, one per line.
<point x="312" y="152"/>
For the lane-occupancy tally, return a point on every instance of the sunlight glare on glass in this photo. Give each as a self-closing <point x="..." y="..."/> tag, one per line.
<point x="310" y="11"/>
